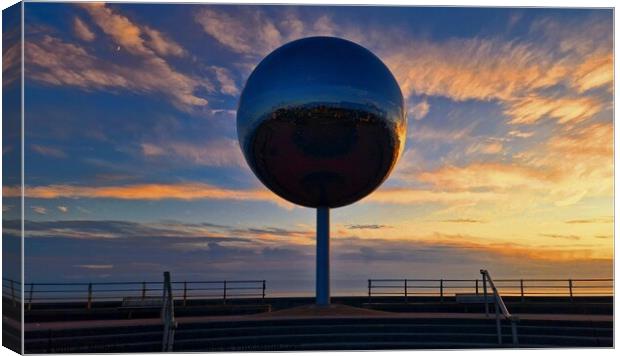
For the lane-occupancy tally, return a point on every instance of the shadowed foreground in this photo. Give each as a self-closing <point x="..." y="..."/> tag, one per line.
<point x="338" y="327"/>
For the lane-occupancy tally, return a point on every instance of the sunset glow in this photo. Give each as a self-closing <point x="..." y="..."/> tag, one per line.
<point x="130" y="142"/>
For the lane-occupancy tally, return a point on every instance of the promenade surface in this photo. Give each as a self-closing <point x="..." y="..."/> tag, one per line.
<point x="305" y="312"/>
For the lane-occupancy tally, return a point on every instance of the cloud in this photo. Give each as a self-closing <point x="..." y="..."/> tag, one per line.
<point x="487" y="176"/>
<point x="563" y="237"/>
<point x="407" y="196"/>
<point x="428" y="133"/>
<point x="187" y="234"/>
<point x="440" y="246"/>
<point x="591" y="221"/>
<point x="367" y="227"/>
<point x="200" y="191"/>
<point x="181" y="191"/>
<point x="517" y="73"/>
<point x="591" y="141"/>
<point x="161" y="44"/>
<point x="55" y="62"/>
<point x="227" y="84"/>
<point x="39" y="210"/>
<point x="11" y="56"/>
<point x="485" y="147"/>
<point x="420" y="110"/>
<point x="95" y="267"/>
<point x="564" y="110"/>
<point x="595" y="72"/>
<point x="520" y="134"/>
<point x="193" y="247"/>
<point x="467" y="221"/>
<point x="464" y="69"/>
<point x="82" y="31"/>
<point x="63" y="209"/>
<point x="514" y="73"/>
<point x="247" y="32"/>
<point x="215" y="153"/>
<point x="128" y="34"/>
<point x="48" y="151"/>
<point x="571" y="165"/>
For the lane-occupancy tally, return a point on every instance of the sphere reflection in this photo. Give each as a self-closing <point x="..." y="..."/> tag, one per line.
<point x="321" y="122"/>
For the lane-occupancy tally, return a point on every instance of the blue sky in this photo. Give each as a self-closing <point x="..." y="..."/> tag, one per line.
<point x="131" y="145"/>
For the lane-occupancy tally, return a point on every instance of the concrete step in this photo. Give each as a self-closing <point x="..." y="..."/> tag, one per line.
<point x="350" y="338"/>
<point x="288" y="334"/>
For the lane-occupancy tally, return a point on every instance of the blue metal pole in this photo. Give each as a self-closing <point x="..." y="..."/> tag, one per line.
<point x="322" y="256"/>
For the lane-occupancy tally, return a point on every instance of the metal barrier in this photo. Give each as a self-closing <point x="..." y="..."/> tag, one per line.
<point x="509" y="287"/>
<point x="11" y="289"/>
<point x="89" y="293"/>
<point x="500" y="306"/>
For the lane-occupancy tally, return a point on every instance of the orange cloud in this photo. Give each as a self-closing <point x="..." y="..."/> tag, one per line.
<point x="227" y="84"/>
<point x="487" y="175"/>
<point x="564" y="110"/>
<point x="512" y="72"/>
<point x="163" y="45"/>
<point x="419" y="196"/>
<point x="482" y="69"/>
<point x="596" y="71"/>
<point x="119" y="27"/>
<point x="492" y="147"/>
<point x="55" y="62"/>
<point x="182" y="191"/>
<point x="82" y="31"/>
<point x="595" y="140"/>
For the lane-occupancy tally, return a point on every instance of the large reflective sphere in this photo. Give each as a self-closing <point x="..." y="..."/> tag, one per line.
<point x="321" y="122"/>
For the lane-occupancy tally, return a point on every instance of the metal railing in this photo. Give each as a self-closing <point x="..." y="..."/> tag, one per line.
<point x="522" y="288"/>
<point x="89" y="293"/>
<point x="499" y="306"/>
<point x="12" y="289"/>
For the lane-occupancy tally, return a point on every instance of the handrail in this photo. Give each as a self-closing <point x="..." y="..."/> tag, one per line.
<point x="510" y="287"/>
<point x="167" y="315"/>
<point x="89" y="293"/>
<point x="499" y="306"/>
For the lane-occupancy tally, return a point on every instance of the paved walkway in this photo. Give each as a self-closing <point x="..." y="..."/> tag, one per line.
<point x="304" y="312"/>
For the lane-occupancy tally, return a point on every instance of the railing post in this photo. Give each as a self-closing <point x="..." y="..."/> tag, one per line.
<point x="515" y="337"/>
<point x="264" y="289"/>
<point x="90" y="296"/>
<point x="441" y="290"/>
<point x="369" y="292"/>
<point x="406" y="299"/>
<point x="522" y="293"/>
<point x="477" y="286"/>
<point x="30" y="296"/>
<point x="224" y="292"/>
<point x="497" y="321"/>
<point x="570" y="289"/>
<point x="143" y="290"/>
<point x="13" y="293"/>
<point x="185" y="293"/>
<point x="484" y="289"/>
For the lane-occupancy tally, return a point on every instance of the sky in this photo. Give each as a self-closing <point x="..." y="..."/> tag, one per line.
<point x="133" y="167"/>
